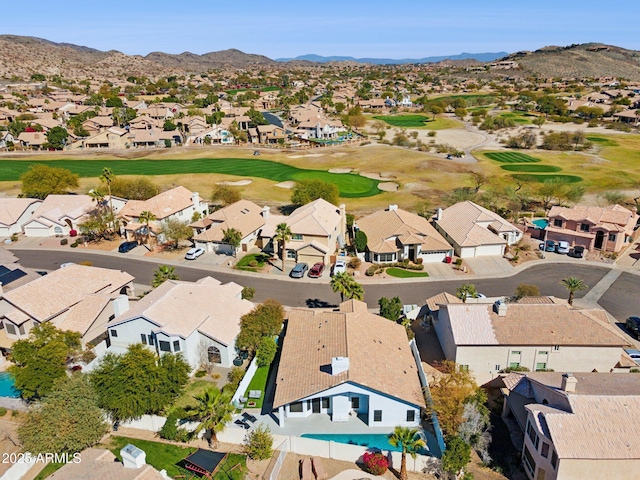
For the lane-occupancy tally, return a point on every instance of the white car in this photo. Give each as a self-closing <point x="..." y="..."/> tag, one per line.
<point x="562" y="247"/>
<point x="340" y="267"/>
<point x="194" y="253"/>
<point x="66" y="264"/>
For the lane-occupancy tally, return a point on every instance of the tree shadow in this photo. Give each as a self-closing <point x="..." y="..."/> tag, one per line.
<point x="287" y="209"/>
<point x="317" y="303"/>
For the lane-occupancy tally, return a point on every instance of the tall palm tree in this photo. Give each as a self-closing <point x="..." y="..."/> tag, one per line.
<point x="410" y="442"/>
<point x="146" y="217"/>
<point x="345" y="285"/>
<point x="162" y="274"/>
<point x="213" y="410"/>
<point x="573" y="284"/>
<point x="108" y="177"/>
<point x="465" y="291"/>
<point x="283" y="234"/>
<point x="233" y="237"/>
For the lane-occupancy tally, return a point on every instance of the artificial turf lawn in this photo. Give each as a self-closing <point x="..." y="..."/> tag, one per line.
<point x="511" y="157"/>
<point x="401" y="273"/>
<point x="529" y="177"/>
<point x="530" y="168"/>
<point x="349" y="185"/>
<point x="258" y="382"/>
<point x="417" y="121"/>
<point x="520" y="118"/>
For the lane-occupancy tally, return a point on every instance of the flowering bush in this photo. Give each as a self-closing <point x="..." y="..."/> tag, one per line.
<point x="375" y="463"/>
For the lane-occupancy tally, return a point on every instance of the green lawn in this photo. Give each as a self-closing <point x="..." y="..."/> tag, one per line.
<point x="520" y="118"/>
<point x="194" y="387"/>
<point x="243" y="264"/>
<point x="602" y="141"/>
<point x="49" y="469"/>
<point x="263" y="89"/>
<point x="402" y="273"/>
<point x="350" y="185"/>
<point x="258" y="382"/>
<point x="530" y="168"/>
<point x="418" y="121"/>
<point x="529" y="177"/>
<point x="511" y="157"/>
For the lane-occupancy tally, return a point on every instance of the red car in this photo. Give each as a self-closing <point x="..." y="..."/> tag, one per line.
<point x="316" y="270"/>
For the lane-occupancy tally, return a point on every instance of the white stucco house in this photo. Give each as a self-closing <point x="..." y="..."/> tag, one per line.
<point x="200" y="320"/>
<point x="345" y="364"/>
<point x="58" y="215"/>
<point x="474" y="231"/>
<point x="15" y="212"/>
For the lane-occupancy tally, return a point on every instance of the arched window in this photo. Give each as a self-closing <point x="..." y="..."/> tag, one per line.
<point x="58" y="230"/>
<point x="213" y="355"/>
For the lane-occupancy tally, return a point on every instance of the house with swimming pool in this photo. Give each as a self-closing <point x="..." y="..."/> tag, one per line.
<point x="344" y="365"/>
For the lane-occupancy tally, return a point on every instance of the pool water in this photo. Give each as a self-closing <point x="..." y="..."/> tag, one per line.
<point x="7" y="388"/>
<point x="371" y="440"/>
<point x="541" y="223"/>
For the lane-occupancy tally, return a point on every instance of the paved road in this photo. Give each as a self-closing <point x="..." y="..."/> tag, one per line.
<point x="300" y="293"/>
<point x="622" y="299"/>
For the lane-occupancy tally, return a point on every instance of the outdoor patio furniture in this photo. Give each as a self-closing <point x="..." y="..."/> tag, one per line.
<point x="247" y="417"/>
<point x="255" y="393"/>
<point x="306" y="472"/>
<point x="243" y="424"/>
<point x="318" y="468"/>
<point x="243" y="399"/>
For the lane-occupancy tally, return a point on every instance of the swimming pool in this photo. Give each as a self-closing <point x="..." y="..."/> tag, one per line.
<point x="541" y="223"/>
<point x="370" y="440"/>
<point x="7" y="388"/>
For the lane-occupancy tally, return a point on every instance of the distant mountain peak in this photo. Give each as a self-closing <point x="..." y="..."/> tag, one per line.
<point x="481" y="57"/>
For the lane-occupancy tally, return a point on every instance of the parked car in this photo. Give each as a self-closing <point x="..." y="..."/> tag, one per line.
<point x="577" y="252"/>
<point x="633" y="325"/>
<point x="634" y="354"/>
<point x="66" y="264"/>
<point x="299" y="270"/>
<point x="194" y="253"/>
<point x="339" y="267"/>
<point x="550" y="246"/>
<point x="316" y="270"/>
<point x="127" y="246"/>
<point x="562" y="247"/>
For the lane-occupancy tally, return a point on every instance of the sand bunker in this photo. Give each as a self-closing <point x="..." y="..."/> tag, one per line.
<point x="388" y="186"/>
<point x="378" y="176"/>
<point x="236" y="184"/>
<point x="340" y="170"/>
<point x="286" y="184"/>
<point x="341" y="154"/>
<point x="295" y="156"/>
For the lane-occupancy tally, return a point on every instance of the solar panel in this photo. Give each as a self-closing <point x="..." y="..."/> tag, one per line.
<point x="4" y="270"/>
<point x="11" y="276"/>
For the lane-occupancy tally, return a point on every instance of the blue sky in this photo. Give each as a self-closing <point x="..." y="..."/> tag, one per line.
<point x="391" y="29"/>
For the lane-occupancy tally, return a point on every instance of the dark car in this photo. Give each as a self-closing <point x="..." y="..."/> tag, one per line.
<point x="127" y="246"/>
<point x="299" y="270"/>
<point x="633" y="325"/>
<point x="550" y="246"/>
<point x="316" y="270"/>
<point x="577" y="252"/>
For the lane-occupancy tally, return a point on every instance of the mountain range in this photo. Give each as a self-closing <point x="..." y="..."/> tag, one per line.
<point x="481" y="57"/>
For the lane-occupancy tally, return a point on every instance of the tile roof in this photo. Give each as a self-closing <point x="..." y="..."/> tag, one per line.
<point x="102" y="464"/>
<point x="54" y="293"/>
<point x="382" y="227"/>
<point x="378" y="350"/>
<point x="180" y="308"/>
<point x="55" y="208"/>
<point x="244" y="216"/>
<point x="12" y="208"/>
<point x="588" y="383"/>
<point x="319" y="218"/>
<point x="162" y="205"/>
<point x="614" y="214"/>
<point x="441" y="298"/>
<point x="463" y="223"/>
<point x="82" y="315"/>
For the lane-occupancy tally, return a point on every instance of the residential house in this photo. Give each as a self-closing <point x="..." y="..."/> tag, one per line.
<point x="244" y="216"/>
<point x="347" y="364"/>
<point x="76" y="298"/>
<point x="608" y="229"/>
<point x="57" y="215"/>
<point x="7" y="139"/>
<point x="113" y="137"/>
<point x="318" y="229"/>
<point x="486" y="338"/>
<point x="15" y="212"/>
<point x="271" y="134"/>
<point x="213" y="135"/>
<point x="394" y="235"/>
<point x="153" y="138"/>
<point x="178" y="203"/>
<point x="35" y="140"/>
<point x="96" y="125"/>
<point x="576" y="425"/>
<point x="320" y="128"/>
<point x="200" y="320"/>
<point x="474" y="231"/>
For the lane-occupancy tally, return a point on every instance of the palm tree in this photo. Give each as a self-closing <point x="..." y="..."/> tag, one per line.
<point x="283" y="234"/>
<point x="146" y="217"/>
<point x="108" y="177"/>
<point x="573" y="284"/>
<point x="345" y="285"/>
<point x="213" y="410"/>
<point x="410" y="442"/>
<point x="465" y="291"/>
<point x="162" y="274"/>
<point x="233" y="237"/>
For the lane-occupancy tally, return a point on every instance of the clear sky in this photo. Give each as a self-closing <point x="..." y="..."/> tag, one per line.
<point x="284" y="28"/>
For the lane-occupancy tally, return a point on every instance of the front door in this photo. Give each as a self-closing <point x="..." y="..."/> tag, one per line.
<point x="599" y="240"/>
<point x="315" y="405"/>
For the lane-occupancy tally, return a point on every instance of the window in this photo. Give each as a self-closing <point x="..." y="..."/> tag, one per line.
<point x="325" y="402"/>
<point x="612" y="237"/>
<point x="213" y="355"/>
<point x="114" y="333"/>
<point x="176" y="345"/>
<point x="165" y="346"/>
<point x="556" y="348"/>
<point x="541" y="366"/>
<point x="386" y="257"/>
<point x="355" y="403"/>
<point x="554" y="459"/>
<point x="545" y="450"/>
<point x="152" y="339"/>
<point x="291" y="254"/>
<point x="533" y="436"/>
<point x="111" y="317"/>
<point x="377" y="415"/>
<point x="516" y="352"/>
<point x="557" y="222"/>
<point x="497" y="368"/>
<point x="514" y="364"/>
<point x="296" y="236"/>
<point x="143" y="337"/>
<point x="411" y="415"/>
<point x="541" y="474"/>
<point x="584" y="227"/>
<point x="10" y="328"/>
<point x="527" y="459"/>
<point x="543" y="352"/>
<point x="296" y="407"/>
<point x="464" y="368"/>
<point x="21" y="329"/>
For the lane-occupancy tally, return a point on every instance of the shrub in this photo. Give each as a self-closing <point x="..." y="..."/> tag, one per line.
<point x="73" y="245"/>
<point x="373" y="269"/>
<point x="419" y="260"/>
<point x="200" y="373"/>
<point x="235" y="377"/>
<point x="248" y="293"/>
<point x="375" y="463"/>
<point x="14" y="237"/>
<point x="73" y="233"/>
<point x="170" y="429"/>
<point x="354" y="262"/>
<point x="458" y="262"/>
<point x="253" y="263"/>
<point x="3" y="411"/>
<point x="64" y="241"/>
<point x="258" y="444"/>
<point x="266" y="351"/>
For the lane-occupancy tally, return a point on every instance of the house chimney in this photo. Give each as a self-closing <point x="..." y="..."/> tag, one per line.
<point x="438" y="213"/>
<point x="120" y="305"/>
<point x="195" y="199"/>
<point x="500" y="308"/>
<point x="265" y="212"/>
<point x="339" y="365"/>
<point x="133" y="457"/>
<point x="569" y="382"/>
<point x="393" y="208"/>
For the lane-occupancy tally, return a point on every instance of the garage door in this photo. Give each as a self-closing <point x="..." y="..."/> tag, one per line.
<point x="488" y="250"/>
<point x="433" y="257"/>
<point x="310" y="259"/>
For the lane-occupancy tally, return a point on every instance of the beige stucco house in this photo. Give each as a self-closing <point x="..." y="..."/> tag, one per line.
<point x="15" y="212"/>
<point x="57" y="215"/>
